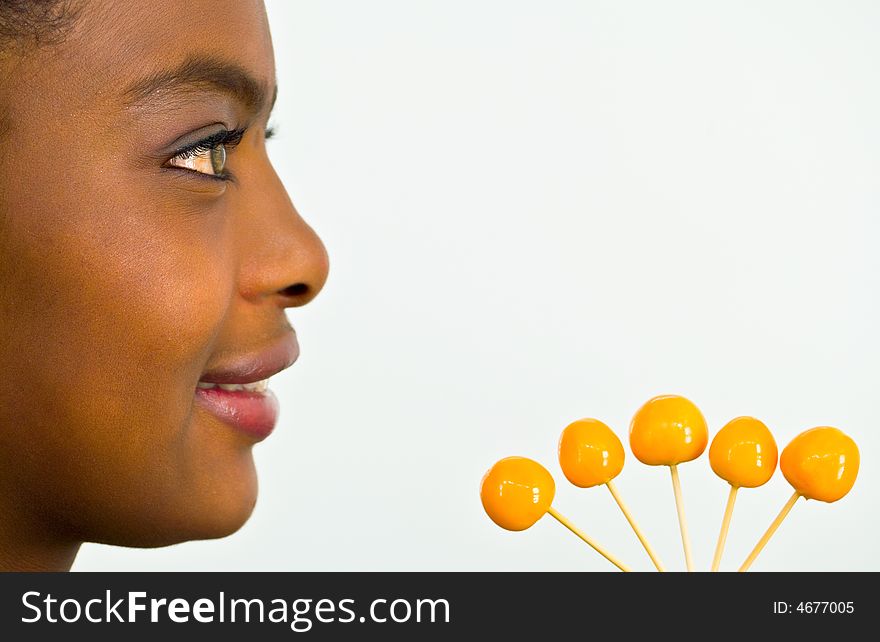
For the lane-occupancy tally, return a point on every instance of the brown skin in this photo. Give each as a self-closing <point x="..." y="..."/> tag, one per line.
<point x="123" y="280"/>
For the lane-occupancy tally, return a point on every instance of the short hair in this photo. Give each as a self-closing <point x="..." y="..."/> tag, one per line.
<point x="26" y="25"/>
<point x="34" y="23"/>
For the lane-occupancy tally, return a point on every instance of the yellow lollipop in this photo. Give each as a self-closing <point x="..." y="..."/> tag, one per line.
<point x="667" y="431"/>
<point x="821" y="463"/>
<point x="591" y="454"/>
<point x="744" y="454"/>
<point x="516" y="492"/>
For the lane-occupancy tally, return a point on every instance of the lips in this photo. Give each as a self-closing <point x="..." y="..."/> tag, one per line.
<point x="257" y="366"/>
<point x="253" y="413"/>
<point x="237" y="392"/>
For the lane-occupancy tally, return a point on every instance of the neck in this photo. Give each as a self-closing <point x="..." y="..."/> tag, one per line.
<point x="32" y="557"/>
<point x="26" y="544"/>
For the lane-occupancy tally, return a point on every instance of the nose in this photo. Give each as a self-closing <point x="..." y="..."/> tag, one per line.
<point x="281" y="256"/>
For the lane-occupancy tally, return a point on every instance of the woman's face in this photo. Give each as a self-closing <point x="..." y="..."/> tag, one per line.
<point x="129" y="274"/>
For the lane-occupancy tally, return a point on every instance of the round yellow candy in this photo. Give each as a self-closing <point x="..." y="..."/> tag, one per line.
<point x="590" y="453"/>
<point x="668" y="430"/>
<point x="821" y="463"/>
<point x="516" y="492"/>
<point x="744" y="453"/>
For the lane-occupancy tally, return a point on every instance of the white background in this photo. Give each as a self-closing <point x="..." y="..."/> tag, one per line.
<point x="537" y="212"/>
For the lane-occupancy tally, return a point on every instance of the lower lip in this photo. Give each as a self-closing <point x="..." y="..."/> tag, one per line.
<point x="253" y="413"/>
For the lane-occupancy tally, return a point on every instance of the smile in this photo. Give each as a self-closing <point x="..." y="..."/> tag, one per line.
<point x="238" y="393"/>
<point x="253" y="413"/>
<point x="256" y="386"/>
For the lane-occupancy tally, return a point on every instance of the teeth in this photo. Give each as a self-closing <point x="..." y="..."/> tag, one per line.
<point x="256" y="386"/>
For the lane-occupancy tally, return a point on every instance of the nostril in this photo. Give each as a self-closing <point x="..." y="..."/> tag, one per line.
<point x="295" y="290"/>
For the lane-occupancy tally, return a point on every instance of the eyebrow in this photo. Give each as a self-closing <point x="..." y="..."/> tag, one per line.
<point x="204" y="73"/>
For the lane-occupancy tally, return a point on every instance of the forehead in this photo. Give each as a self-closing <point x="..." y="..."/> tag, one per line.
<point x="115" y="44"/>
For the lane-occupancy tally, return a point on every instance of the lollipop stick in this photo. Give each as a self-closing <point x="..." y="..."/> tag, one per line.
<point x="635" y="527"/>
<point x="682" y="523"/>
<point x="725" y="525"/>
<point x="574" y="529"/>
<point x="763" y="541"/>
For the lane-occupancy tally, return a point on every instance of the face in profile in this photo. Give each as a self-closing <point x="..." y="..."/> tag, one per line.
<point x="148" y="254"/>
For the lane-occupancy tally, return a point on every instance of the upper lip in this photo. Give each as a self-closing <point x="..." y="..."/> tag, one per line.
<point x="258" y="365"/>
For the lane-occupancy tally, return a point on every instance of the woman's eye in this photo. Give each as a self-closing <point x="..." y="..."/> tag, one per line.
<point x="205" y="160"/>
<point x="208" y="156"/>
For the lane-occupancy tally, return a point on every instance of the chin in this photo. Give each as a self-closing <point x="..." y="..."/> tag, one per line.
<point x="220" y="522"/>
<point x="214" y="513"/>
<point x="196" y="525"/>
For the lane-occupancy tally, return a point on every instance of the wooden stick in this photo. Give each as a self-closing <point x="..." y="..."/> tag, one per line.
<point x="763" y="541"/>
<point x="725" y="526"/>
<point x="635" y="527"/>
<point x="682" y="522"/>
<point x="574" y="529"/>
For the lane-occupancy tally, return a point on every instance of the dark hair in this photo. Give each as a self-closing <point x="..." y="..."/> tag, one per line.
<point x="26" y="25"/>
<point x="29" y="23"/>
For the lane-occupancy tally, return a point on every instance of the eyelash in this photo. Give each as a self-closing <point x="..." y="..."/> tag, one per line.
<point x="227" y="138"/>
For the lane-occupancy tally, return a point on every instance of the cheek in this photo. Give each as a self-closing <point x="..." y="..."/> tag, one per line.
<point x="109" y="316"/>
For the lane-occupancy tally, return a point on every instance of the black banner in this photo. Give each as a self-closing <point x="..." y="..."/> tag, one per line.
<point x="430" y="606"/>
